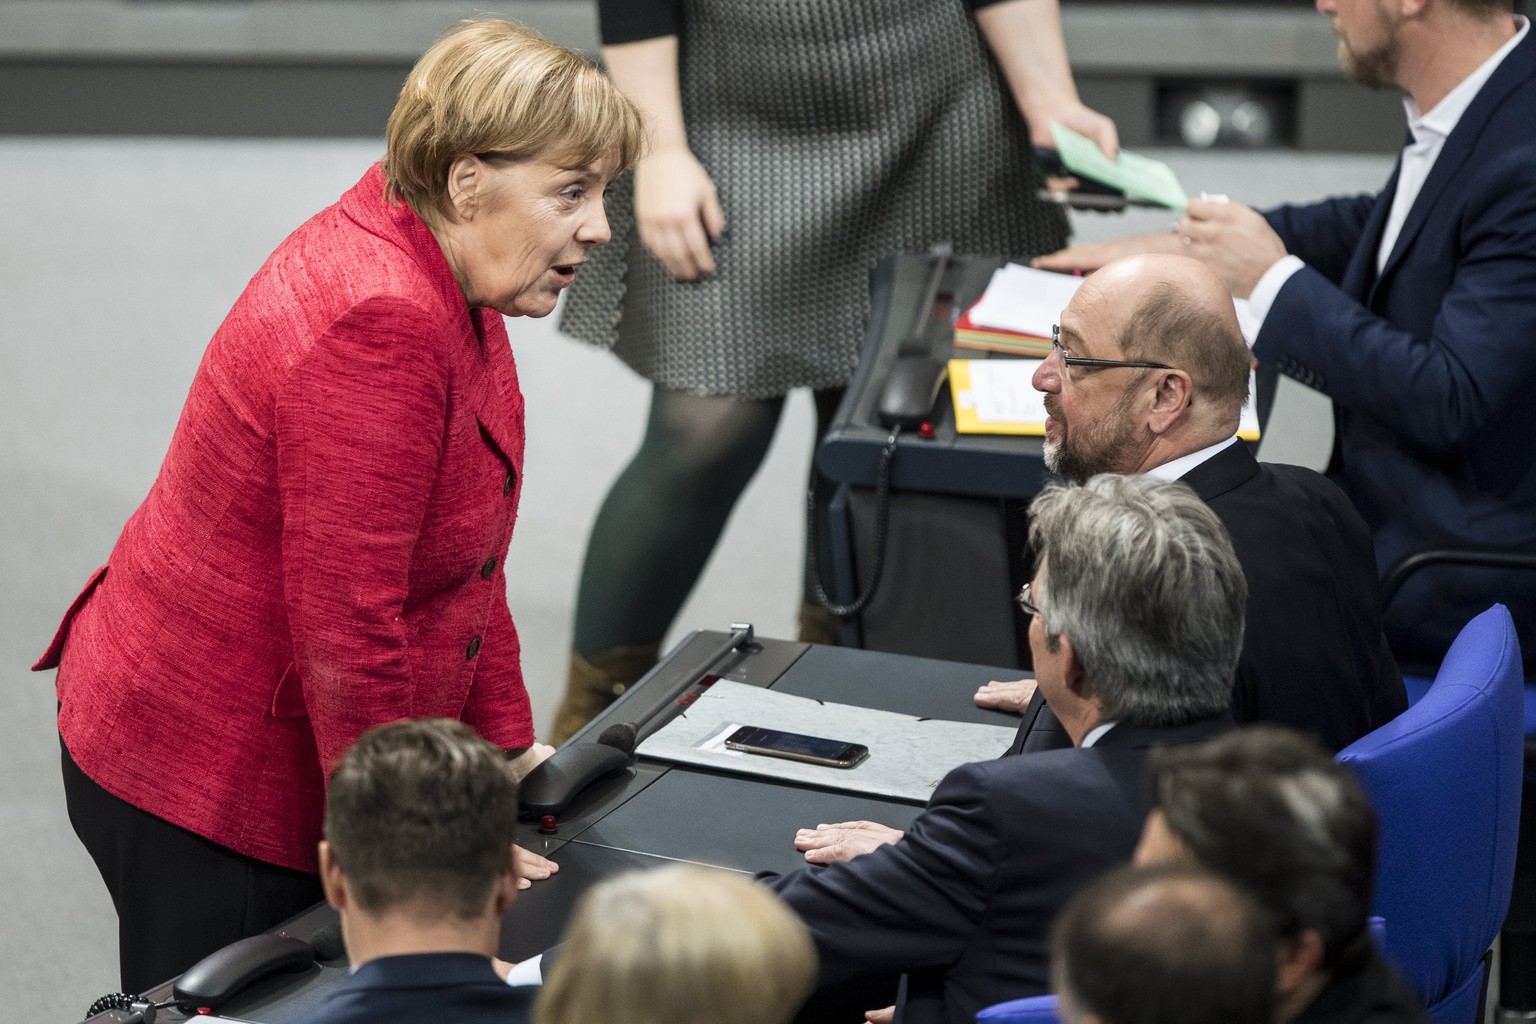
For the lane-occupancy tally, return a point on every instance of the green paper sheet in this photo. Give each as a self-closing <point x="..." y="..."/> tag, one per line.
<point x="1137" y="176"/>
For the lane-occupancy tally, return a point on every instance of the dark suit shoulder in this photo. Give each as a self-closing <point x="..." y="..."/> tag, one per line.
<point x="1313" y="655"/>
<point x="1369" y="992"/>
<point x="447" y="988"/>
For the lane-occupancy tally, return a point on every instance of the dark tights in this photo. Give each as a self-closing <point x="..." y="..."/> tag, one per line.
<point x="665" y="513"/>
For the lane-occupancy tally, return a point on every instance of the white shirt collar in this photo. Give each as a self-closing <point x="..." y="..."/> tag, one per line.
<point x="1096" y="733"/>
<point x="1442" y="120"/>
<point x="1184" y="463"/>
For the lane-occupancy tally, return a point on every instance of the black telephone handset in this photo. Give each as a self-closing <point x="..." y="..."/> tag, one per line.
<point x="912" y="391"/>
<point x="209" y="983"/>
<point x="560" y="778"/>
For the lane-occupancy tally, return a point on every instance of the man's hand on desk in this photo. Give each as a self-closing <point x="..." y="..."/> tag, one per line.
<point x="881" y="1016"/>
<point x="1012" y="696"/>
<point x="1093" y="255"/>
<point x="844" y="840"/>
<point x="531" y="866"/>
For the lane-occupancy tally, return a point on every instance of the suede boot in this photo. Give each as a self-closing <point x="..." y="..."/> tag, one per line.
<point x="590" y="686"/>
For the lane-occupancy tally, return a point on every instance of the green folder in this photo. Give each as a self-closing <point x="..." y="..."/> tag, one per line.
<point x="1138" y="177"/>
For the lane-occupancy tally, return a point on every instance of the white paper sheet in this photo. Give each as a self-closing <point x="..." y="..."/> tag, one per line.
<point x="907" y="756"/>
<point x="1023" y="299"/>
<point x="1001" y="391"/>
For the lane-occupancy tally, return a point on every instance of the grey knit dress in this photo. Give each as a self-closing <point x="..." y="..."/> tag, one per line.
<point x="836" y="131"/>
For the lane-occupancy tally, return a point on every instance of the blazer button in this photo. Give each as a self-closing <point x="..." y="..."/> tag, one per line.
<point x="473" y="648"/>
<point x="506" y="488"/>
<point x="488" y="568"/>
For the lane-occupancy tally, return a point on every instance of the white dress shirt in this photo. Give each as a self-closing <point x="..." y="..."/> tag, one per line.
<point x="1184" y="463"/>
<point x="1429" y="133"/>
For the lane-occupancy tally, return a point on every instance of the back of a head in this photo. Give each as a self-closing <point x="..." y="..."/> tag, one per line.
<point x="1186" y="319"/>
<point x="421" y="816"/>
<point x="1271" y="810"/>
<point x="1164" y="945"/>
<point x="679" y="945"/>
<point x="1141" y="575"/>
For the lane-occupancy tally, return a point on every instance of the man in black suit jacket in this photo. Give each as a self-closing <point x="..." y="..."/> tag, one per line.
<point x="418" y="860"/>
<point x="1149" y="376"/>
<point x="1136" y="619"/>
<point x="1412" y="308"/>
<point x="1281" y="819"/>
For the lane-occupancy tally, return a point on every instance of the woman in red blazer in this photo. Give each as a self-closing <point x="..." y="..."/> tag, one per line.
<point x="323" y="549"/>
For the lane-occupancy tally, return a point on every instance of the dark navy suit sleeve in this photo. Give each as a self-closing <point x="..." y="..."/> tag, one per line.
<point x="1442" y="387"/>
<point x="1323" y="235"/>
<point x="911" y="905"/>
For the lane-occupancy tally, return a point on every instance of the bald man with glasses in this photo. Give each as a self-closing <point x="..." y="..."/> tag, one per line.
<point x="1148" y="375"/>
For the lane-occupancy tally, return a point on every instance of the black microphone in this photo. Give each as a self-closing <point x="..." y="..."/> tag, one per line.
<point x="621" y="735"/>
<point x="328" y="943"/>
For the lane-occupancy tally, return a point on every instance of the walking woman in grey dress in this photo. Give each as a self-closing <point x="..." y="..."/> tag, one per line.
<point x="794" y="142"/>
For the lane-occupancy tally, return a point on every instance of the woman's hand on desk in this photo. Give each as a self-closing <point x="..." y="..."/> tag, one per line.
<point x="844" y="840"/>
<point x="1011" y="696"/>
<point x="527" y="759"/>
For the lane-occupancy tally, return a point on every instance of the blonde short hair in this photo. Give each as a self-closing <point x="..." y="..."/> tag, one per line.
<point x="679" y="945"/>
<point x="489" y="86"/>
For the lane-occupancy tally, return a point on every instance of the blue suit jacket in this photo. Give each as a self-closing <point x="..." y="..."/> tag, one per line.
<point x="964" y="902"/>
<point x="445" y="988"/>
<point x="1432" y="363"/>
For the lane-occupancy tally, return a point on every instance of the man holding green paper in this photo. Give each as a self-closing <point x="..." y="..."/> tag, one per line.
<point x="1413" y="309"/>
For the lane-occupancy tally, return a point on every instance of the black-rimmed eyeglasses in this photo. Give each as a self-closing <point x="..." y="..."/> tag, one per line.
<point x="1070" y="360"/>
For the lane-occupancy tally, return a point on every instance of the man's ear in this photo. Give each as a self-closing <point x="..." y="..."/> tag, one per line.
<point x="505" y="890"/>
<point x="1072" y="668"/>
<point x="1298" y="960"/>
<point x="331" y="879"/>
<point x="466" y="181"/>
<point x="1173" y="394"/>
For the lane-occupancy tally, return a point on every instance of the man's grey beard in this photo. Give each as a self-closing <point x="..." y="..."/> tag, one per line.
<point x="1053" y="452"/>
<point x="1076" y="468"/>
<point x="1115" y="441"/>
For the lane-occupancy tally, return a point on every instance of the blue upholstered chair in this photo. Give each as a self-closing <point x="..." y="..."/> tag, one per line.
<point x="1030" y="1010"/>
<point x="1445" y="777"/>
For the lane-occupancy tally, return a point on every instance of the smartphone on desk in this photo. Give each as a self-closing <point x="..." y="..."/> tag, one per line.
<point x="794" y="746"/>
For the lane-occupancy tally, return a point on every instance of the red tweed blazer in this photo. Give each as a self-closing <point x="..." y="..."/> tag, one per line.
<point x="323" y="549"/>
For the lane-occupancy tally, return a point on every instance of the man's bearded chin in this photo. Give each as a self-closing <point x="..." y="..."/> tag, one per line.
<point x="1052" y="453"/>
<point x="1375" y="69"/>
<point x="1106" y="447"/>
<point x="1070" y="465"/>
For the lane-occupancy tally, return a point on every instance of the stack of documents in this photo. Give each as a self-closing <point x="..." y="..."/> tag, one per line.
<point x="996" y="396"/>
<point x="1017" y="311"/>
